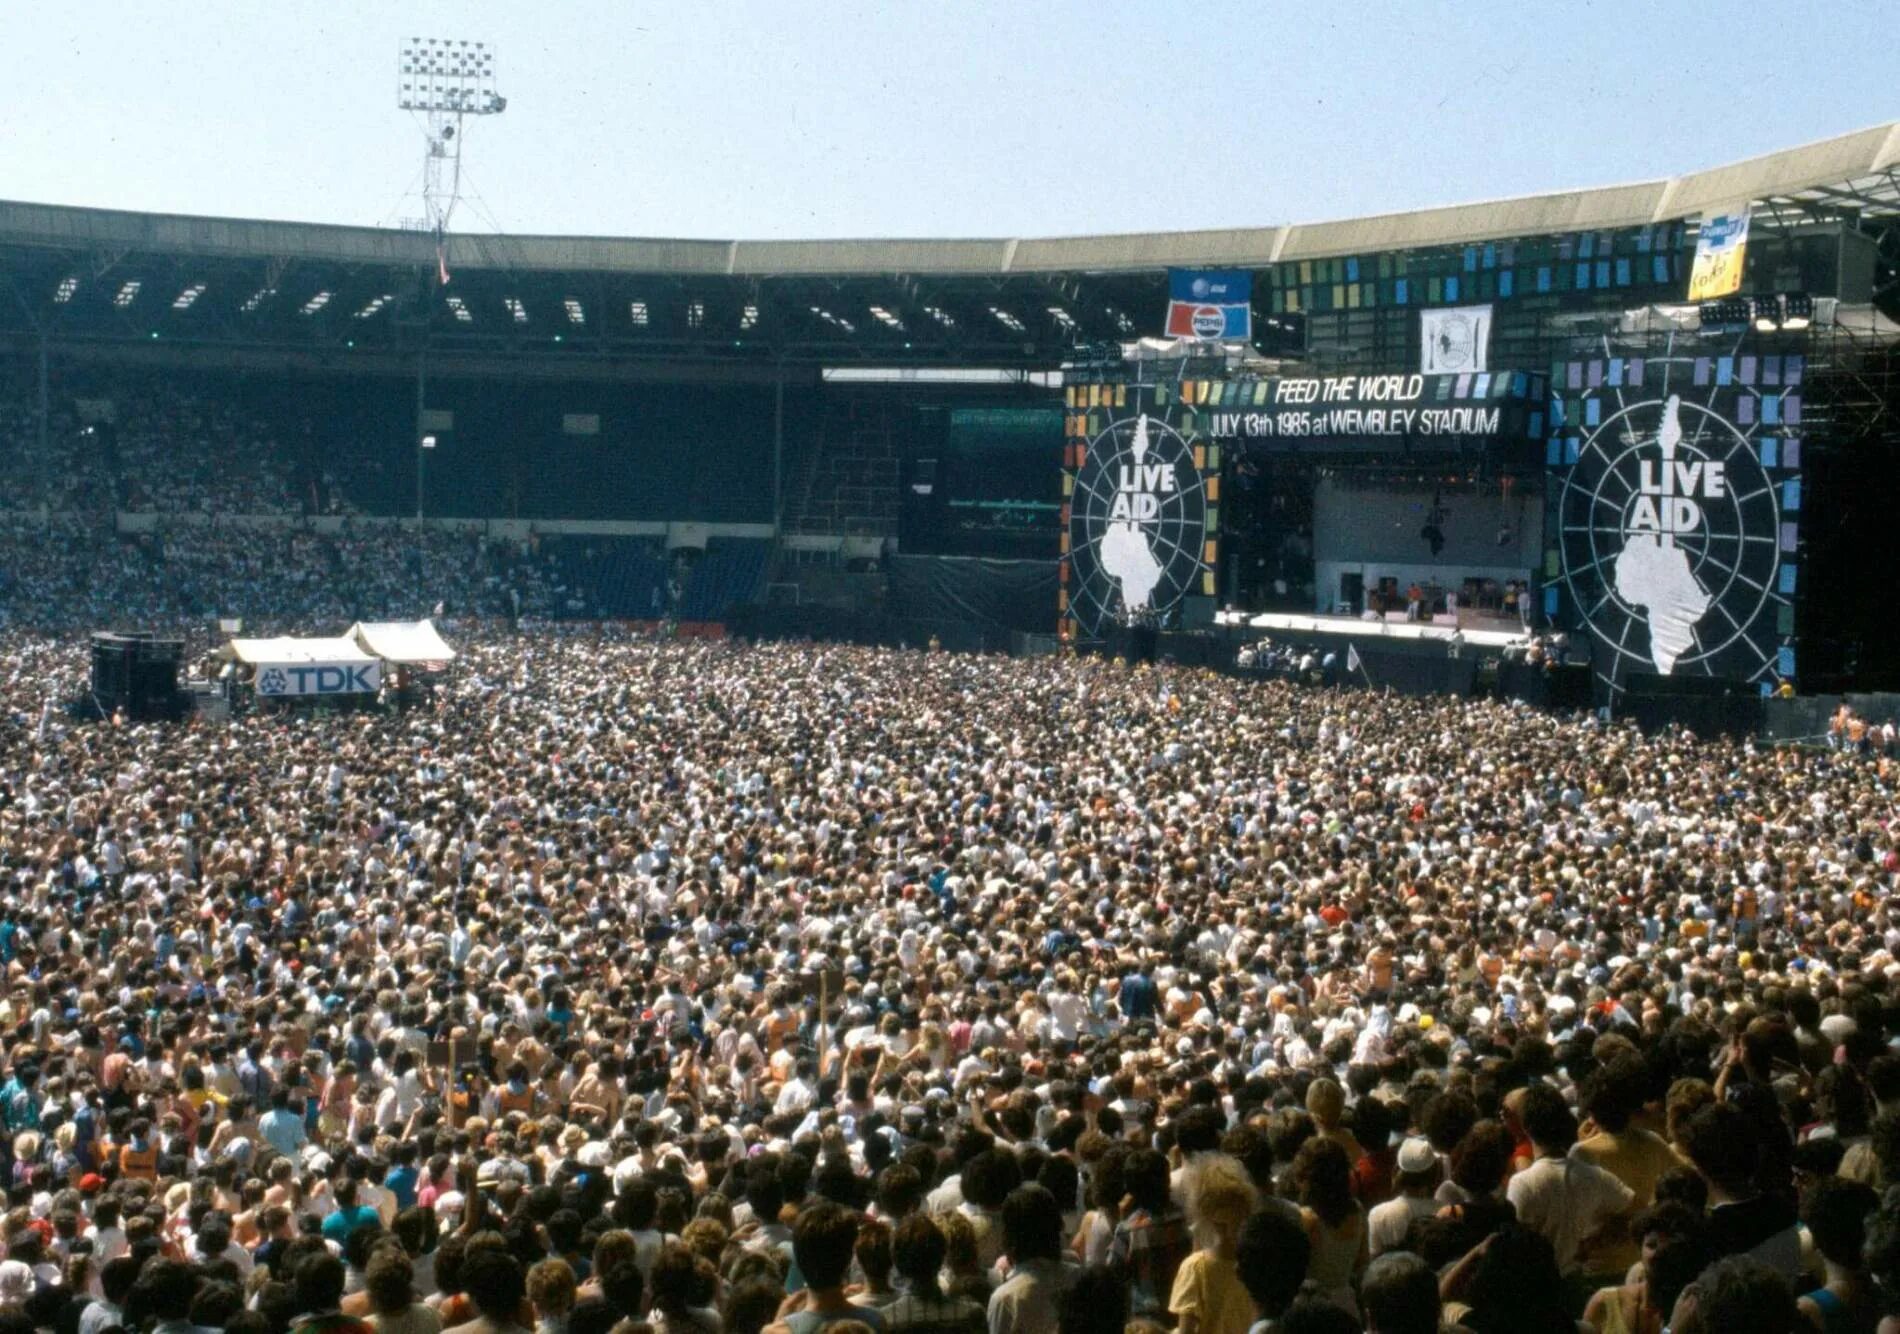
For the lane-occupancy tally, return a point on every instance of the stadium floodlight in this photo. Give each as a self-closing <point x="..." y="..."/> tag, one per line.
<point x="835" y="321"/>
<point x="67" y="286"/>
<point x="442" y="81"/>
<point x="1797" y="310"/>
<point x="1767" y="314"/>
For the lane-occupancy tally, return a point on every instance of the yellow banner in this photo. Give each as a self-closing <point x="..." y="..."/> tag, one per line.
<point x="1719" y="253"/>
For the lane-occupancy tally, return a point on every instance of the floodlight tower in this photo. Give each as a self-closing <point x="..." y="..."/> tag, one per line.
<point x="442" y="81"/>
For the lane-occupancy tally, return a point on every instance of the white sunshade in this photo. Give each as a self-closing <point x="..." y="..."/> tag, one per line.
<point x="402" y="641"/>
<point x="286" y="651"/>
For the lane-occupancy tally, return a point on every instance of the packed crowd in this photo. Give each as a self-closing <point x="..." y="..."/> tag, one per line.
<point x="708" y="989"/>
<point x="179" y="453"/>
<point x="67" y="573"/>
<point x="150" y="445"/>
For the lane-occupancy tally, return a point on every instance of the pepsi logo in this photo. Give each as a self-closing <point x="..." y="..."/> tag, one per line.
<point x="1208" y="322"/>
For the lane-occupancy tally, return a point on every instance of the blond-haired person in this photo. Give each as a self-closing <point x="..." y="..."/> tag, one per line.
<point x="1208" y="1296"/>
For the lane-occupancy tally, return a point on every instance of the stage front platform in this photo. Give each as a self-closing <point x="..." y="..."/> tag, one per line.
<point x="1396" y="629"/>
<point x="1411" y="658"/>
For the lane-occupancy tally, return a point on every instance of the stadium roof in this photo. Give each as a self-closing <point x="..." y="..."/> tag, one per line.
<point x="1857" y="173"/>
<point x="165" y="289"/>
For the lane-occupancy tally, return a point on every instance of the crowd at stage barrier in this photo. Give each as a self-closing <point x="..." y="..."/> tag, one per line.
<point x="1333" y="664"/>
<point x="712" y="989"/>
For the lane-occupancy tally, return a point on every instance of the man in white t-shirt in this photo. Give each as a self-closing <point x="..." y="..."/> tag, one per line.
<point x="1388" y="1223"/>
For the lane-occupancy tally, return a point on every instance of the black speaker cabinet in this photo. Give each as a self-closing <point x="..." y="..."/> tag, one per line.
<point x="139" y="674"/>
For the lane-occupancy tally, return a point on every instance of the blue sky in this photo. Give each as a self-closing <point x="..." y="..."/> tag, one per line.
<point x="961" y="117"/>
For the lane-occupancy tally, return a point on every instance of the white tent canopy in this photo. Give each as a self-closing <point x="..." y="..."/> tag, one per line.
<point x="286" y="651"/>
<point x="404" y="642"/>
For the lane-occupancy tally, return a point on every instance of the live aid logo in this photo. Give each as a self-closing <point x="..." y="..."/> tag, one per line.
<point x="1139" y="490"/>
<point x="1667" y="491"/>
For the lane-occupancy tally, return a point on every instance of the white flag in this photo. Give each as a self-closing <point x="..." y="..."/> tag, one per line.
<point x="1454" y="340"/>
<point x="1352" y="659"/>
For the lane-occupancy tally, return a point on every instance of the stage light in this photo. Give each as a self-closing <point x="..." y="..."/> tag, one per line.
<point x="1767" y="314"/>
<point x="1797" y="310"/>
<point x="428" y="442"/>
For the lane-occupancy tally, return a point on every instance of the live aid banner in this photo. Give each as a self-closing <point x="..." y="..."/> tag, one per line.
<point x="1364" y="412"/>
<point x="1140" y="509"/>
<point x="1673" y="506"/>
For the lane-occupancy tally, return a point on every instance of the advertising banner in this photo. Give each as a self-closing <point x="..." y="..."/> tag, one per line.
<point x="280" y="680"/>
<point x="1719" y="253"/>
<point x="1212" y="305"/>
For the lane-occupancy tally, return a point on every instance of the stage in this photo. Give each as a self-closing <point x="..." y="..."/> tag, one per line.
<point x="1392" y="628"/>
<point x="1408" y="658"/>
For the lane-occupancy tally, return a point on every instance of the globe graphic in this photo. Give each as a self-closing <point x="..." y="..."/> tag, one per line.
<point x="1137" y="524"/>
<point x="1731" y="553"/>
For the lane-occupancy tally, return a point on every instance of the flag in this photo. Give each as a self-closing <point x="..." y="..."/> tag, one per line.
<point x="1454" y="340"/>
<point x="1352" y="659"/>
<point x="442" y="261"/>
<point x="1210" y="304"/>
<point x="1720" y="249"/>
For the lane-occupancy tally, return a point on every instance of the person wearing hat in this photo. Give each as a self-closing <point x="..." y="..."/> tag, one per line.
<point x="1418" y="1172"/>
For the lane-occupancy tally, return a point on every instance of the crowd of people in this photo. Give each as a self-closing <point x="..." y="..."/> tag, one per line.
<point x="68" y="572"/>
<point x="704" y="988"/>
<point x="152" y="445"/>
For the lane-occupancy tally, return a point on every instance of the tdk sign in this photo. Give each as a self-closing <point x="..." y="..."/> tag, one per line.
<point x="321" y="679"/>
